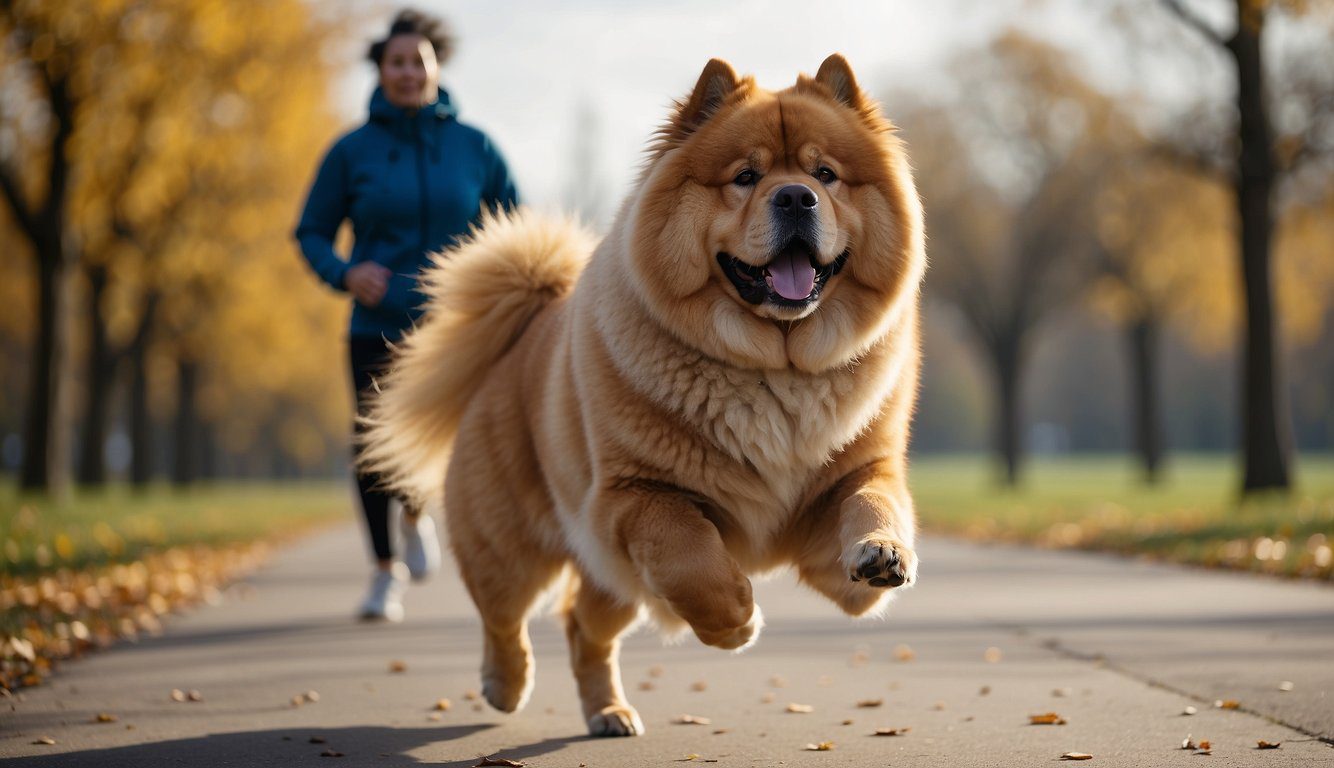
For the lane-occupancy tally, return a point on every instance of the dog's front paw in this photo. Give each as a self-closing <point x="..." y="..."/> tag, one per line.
<point x="615" y="720"/>
<point x="881" y="563"/>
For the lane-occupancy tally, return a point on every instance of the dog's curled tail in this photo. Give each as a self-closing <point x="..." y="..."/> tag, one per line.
<point x="481" y="294"/>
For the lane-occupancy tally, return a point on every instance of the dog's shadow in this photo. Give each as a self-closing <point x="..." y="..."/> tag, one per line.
<point x="358" y="746"/>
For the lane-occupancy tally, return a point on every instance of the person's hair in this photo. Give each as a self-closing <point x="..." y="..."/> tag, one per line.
<point x="413" y="22"/>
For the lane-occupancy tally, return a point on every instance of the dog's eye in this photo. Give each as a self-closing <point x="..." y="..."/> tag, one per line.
<point x="746" y="178"/>
<point x="826" y="175"/>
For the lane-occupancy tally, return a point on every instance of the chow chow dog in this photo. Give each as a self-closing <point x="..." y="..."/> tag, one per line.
<point x="721" y="387"/>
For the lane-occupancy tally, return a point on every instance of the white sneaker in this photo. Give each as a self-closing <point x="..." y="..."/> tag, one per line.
<point x="384" y="601"/>
<point x="421" y="547"/>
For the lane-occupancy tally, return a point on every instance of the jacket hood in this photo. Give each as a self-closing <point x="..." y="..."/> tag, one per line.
<point x="381" y="111"/>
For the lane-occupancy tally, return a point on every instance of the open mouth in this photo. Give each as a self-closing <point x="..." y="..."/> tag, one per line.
<point x="792" y="278"/>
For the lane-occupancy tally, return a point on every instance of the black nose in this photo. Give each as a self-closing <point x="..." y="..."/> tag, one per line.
<point x="795" y="199"/>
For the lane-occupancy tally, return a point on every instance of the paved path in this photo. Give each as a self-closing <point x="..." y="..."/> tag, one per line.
<point x="1118" y="648"/>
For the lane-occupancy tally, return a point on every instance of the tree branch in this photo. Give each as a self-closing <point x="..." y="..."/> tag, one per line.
<point x="1195" y="22"/>
<point x="17" y="204"/>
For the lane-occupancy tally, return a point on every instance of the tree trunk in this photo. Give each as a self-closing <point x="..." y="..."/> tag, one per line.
<point x="43" y="448"/>
<point x="1265" y="431"/>
<point x="1005" y="359"/>
<point x="1143" y="340"/>
<point x="185" y="468"/>
<point x="141" y="424"/>
<point x="101" y="376"/>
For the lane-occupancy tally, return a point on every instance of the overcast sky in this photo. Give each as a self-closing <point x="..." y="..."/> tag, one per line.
<point x="524" y="73"/>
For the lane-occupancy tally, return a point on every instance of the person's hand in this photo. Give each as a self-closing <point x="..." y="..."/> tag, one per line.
<point x="367" y="282"/>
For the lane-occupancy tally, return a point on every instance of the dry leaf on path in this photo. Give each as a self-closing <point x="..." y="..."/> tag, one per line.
<point x="1227" y="704"/>
<point x="311" y="696"/>
<point x="103" y="717"/>
<point x="331" y="753"/>
<point x="318" y="740"/>
<point x="721" y="731"/>
<point x="1076" y="756"/>
<point x="1186" y="743"/>
<point x="984" y="691"/>
<point x="823" y="746"/>
<point x="847" y="722"/>
<point x="1048" y="718"/>
<point x="442" y="705"/>
<point x="177" y="694"/>
<point x="870" y="703"/>
<point x="892" y="731"/>
<point x="499" y="761"/>
<point x="48" y="741"/>
<point x="699" y="686"/>
<point x="691" y="720"/>
<point x="1262" y="744"/>
<point x="1286" y="686"/>
<point x="1205" y="745"/>
<point x="398" y="666"/>
<point x="800" y="709"/>
<point x="471" y="695"/>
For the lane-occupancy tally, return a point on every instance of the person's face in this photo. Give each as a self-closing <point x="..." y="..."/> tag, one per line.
<point x="409" y="72"/>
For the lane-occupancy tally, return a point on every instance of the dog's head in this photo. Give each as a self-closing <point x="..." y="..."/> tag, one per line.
<point x="777" y="229"/>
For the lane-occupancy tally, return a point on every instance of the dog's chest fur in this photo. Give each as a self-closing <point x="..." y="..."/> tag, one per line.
<point x="759" y="437"/>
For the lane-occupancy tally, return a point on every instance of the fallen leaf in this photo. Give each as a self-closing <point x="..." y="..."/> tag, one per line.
<point x="1076" y="756"/>
<point x="800" y="709"/>
<point x="992" y="655"/>
<point x="471" y="695"/>
<point x="1205" y="746"/>
<point x="194" y="696"/>
<point x="984" y="690"/>
<point x="891" y="731"/>
<point x="721" y="731"/>
<point x="1047" y="718"/>
<point x="699" y="685"/>
<point x="1187" y="743"/>
<point x="1262" y="744"/>
<point x="847" y="722"/>
<point x="298" y="700"/>
<point x="870" y="703"/>
<point x="823" y="746"/>
<point x="1227" y="704"/>
<point x="318" y="740"/>
<point x="311" y="696"/>
<point x="103" y="717"/>
<point x="398" y="666"/>
<point x="177" y="694"/>
<point x="691" y="720"/>
<point x="1285" y="686"/>
<point x="331" y="753"/>
<point x="48" y="741"/>
<point x="441" y="705"/>
<point x="500" y="761"/>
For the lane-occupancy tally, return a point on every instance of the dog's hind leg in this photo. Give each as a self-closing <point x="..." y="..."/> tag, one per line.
<point x="505" y="570"/>
<point x="594" y="622"/>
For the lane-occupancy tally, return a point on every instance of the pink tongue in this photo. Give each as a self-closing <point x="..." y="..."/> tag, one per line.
<point x="792" y="274"/>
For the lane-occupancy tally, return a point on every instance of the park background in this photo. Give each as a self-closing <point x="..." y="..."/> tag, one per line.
<point x="174" y="383"/>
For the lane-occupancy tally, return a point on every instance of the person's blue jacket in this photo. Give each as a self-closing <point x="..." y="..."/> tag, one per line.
<point x="411" y="184"/>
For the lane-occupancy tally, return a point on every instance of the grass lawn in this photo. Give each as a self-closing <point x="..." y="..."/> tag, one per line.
<point x="120" y="525"/>
<point x="1193" y="516"/>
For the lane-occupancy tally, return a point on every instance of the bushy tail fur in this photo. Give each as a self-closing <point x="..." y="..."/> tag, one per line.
<point x="481" y="294"/>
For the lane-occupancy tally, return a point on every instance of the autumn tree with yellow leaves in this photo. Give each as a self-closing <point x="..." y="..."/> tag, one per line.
<point x="158" y="151"/>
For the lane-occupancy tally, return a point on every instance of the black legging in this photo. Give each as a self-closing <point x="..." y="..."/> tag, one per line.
<point x="370" y="355"/>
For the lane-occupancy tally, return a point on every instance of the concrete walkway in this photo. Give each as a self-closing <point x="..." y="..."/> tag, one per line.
<point x="1117" y="648"/>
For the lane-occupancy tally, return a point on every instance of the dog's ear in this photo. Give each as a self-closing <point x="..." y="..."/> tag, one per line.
<point x="836" y="75"/>
<point x="716" y="83"/>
